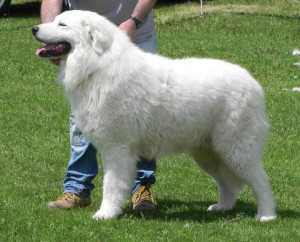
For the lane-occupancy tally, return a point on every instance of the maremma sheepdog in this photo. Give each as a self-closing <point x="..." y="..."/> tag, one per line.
<point x="132" y="104"/>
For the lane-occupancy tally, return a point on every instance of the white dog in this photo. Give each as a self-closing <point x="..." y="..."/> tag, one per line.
<point x="132" y="104"/>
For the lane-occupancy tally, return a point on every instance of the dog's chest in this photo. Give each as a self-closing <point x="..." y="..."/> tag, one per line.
<point x="101" y="116"/>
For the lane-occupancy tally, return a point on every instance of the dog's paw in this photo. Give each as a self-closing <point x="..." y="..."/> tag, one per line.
<point x="105" y="214"/>
<point x="265" y="218"/>
<point x="99" y="216"/>
<point x="218" y="208"/>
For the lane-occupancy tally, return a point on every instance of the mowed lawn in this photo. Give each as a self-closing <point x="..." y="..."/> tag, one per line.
<point x="259" y="35"/>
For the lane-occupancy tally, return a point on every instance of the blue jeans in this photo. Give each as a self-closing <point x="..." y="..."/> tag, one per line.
<point x="83" y="166"/>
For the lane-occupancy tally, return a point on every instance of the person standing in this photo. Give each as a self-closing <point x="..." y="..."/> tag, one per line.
<point x="136" y="19"/>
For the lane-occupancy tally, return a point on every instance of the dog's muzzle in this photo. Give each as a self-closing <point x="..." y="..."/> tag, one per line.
<point x="51" y="50"/>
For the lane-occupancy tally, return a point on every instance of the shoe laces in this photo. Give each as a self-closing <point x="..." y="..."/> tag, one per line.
<point x="66" y="196"/>
<point x="144" y="193"/>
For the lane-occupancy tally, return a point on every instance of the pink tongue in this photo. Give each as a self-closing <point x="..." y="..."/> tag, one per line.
<point x="44" y="48"/>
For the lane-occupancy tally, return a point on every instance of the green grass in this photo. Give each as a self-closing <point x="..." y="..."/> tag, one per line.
<point x="34" y="149"/>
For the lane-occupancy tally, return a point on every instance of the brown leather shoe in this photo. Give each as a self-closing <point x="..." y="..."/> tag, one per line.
<point x="143" y="200"/>
<point x="68" y="201"/>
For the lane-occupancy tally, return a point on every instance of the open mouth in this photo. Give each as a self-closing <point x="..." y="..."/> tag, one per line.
<point x="54" y="50"/>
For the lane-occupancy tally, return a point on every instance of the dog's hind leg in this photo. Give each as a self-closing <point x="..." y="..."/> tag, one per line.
<point x="258" y="181"/>
<point x="119" y="168"/>
<point x="242" y="155"/>
<point x="229" y="184"/>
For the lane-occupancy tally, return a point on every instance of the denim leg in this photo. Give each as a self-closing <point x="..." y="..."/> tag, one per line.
<point x="145" y="173"/>
<point x="83" y="167"/>
<point x="146" y="168"/>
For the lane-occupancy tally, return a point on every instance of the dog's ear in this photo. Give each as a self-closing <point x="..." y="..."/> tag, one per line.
<point x="101" y="41"/>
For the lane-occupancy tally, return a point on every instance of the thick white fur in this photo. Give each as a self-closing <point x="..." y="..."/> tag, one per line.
<point x="132" y="104"/>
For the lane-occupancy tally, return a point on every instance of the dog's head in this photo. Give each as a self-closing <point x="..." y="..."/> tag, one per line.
<point x="72" y="29"/>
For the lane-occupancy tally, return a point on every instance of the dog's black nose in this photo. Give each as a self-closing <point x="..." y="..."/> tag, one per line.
<point x="35" y="29"/>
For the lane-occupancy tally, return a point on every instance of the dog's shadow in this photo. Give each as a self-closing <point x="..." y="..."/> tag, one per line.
<point x="177" y="210"/>
<point x="170" y="210"/>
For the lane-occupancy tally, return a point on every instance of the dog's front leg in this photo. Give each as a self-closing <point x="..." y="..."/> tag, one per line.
<point x="119" y="168"/>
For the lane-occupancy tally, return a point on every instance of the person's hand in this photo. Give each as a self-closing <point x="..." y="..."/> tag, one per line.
<point x="128" y="27"/>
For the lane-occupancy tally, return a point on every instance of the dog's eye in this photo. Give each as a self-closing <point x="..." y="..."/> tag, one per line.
<point x="62" y="24"/>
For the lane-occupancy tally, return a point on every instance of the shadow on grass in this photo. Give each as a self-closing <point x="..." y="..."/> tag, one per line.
<point x="28" y="9"/>
<point x="266" y="15"/>
<point x="176" y="210"/>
